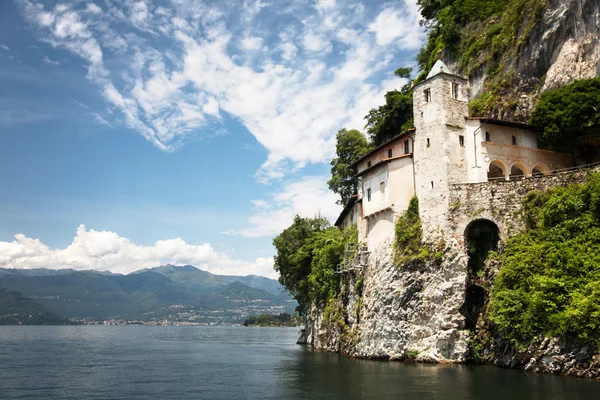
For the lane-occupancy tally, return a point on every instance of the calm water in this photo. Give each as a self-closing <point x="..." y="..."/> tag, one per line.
<point x="137" y="362"/>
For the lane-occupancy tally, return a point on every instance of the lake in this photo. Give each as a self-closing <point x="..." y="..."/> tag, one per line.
<point x="201" y="362"/>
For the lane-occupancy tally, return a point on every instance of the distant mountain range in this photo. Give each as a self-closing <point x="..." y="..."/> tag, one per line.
<point x="15" y="309"/>
<point x="173" y="293"/>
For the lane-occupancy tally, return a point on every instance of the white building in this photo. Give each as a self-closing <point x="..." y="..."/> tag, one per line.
<point x="446" y="147"/>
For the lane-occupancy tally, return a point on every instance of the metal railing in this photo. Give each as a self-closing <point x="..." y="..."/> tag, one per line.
<point x="355" y="258"/>
<point x="536" y="175"/>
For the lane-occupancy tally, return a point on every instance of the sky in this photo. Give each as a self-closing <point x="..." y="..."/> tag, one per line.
<point x="138" y="133"/>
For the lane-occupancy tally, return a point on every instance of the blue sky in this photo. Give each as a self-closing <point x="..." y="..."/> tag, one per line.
<point x="136" y="133"/>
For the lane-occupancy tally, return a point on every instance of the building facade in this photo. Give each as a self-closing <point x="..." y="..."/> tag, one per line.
<point x="447" y="147"/>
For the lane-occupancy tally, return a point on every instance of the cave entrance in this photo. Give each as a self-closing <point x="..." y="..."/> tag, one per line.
<point x="481" y="236"/>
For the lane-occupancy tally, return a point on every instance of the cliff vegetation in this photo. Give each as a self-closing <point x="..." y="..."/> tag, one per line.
<point x="548" y="284"/>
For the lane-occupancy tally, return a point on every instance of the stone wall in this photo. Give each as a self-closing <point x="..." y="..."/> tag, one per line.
<point x="500" y="201"/>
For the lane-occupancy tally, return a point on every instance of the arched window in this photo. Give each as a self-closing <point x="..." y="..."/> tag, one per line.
<point x="517" y="172"/>
<point x="539" y="170"/>
<point x="495" y="171"/>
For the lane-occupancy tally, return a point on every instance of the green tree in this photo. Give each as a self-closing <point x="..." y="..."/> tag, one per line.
<point x="350" y="146"/>
<point x="395" y="116"/>
<point x="293" y="259"/>
<point x="569" y="114"/>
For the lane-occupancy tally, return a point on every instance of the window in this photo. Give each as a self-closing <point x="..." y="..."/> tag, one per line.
<point x="427" y="93"/>
<point x="432" y="184"/>
<point x="487" y="137"/>
<point x="406" y="147"/>
<point x="368" y="164"/>
<point x="428" y="144"/>
<point x="382" y="187"/>
<point x="461" y="140"/>
<point x="454" y="90"/>
<point x="369" y="194"/>
<point x="389" y="153"/>
<point x="514" y="140"/>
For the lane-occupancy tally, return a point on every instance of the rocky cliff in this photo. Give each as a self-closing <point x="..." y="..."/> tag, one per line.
<point x="553" y="46"/>
<point x="425" y="310"/>
<point x="391" y="312"/>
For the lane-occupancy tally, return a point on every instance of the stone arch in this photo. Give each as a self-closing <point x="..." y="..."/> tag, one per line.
<point x="481" y="237"/>
<point x="496" y="170"/>
<point x="540" y="169"/>
<point x="517" y="171"/>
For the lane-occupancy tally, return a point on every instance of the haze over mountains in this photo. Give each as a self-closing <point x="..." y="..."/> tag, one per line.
<point x="172" y="293"/>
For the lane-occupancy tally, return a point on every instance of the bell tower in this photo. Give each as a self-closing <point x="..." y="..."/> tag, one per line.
<point x="440" y="106"/>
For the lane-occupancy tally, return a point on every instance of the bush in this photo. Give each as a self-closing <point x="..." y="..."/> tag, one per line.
<point x="549" y="283"/>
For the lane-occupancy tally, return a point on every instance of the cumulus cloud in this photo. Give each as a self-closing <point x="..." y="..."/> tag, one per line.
<point x="107" y="251"/>
<point x="191" y="61"/>
<point x="307" y="197"/>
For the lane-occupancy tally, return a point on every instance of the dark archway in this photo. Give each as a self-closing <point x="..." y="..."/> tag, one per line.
<point x="481" y="236"/>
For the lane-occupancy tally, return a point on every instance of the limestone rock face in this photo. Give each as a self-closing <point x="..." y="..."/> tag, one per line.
<point x="409" y="311"/>
<point x="562" y="47"/>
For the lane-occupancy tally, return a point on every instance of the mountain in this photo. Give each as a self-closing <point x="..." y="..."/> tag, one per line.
<point x="167" y="292"/>
<point x="15" y="309"/>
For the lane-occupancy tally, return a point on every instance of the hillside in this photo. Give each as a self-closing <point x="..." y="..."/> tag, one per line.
<point x="512" y="50"/>
<point x="166" y="292"/>
<point x="15" y="309"/>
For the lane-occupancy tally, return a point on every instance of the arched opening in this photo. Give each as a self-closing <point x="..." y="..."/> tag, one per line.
<point x="539" y="170"/>
<point x="495" y="171"/>
<point x="481" y="236"/>
<point x="517" y="172"/>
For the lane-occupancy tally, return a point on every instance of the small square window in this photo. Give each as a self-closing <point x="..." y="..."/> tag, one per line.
<point x="514" y="139"/>
<point x="488" y="137"/>
<point x="389" y="153"/>
<point x="382" y="187"/>
<point x="455" y="90"/>
<point x="369" y="194"/>
<point x="461" y="140"/>
<point x="368" y="164"/>
<point x="427" y="93"/>
<point x="406" y="148"/>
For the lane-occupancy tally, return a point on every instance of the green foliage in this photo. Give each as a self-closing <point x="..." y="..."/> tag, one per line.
<point x="569" y="113"/>
<point x="549" y="283"/>
<point x="293" y="259"/>
<point x="350" y="146"/>
<point x="478" y="33"/>
<point x="412" y="355"/>
<point x="307" y="255"/>
<point x="395" y="116"/>
<point x="283" y="319"/>
<point x="409" y="235"/>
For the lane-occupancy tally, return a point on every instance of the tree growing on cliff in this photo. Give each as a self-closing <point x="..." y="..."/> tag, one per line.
<point x="307" y="254"/>
<point x="293" y="259"/>
<point x="395" y="116"/>
<point x="570" y="114"/>
<point x="350" y="146"/>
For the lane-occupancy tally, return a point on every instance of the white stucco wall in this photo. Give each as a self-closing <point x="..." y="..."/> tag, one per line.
<point x="526" y="154"/>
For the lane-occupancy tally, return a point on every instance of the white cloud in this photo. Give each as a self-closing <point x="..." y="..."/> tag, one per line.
<point x="252" y="43"/>
<point x="5" y="47"/>
<point x="316" y="43"/>
<point x="47" y="60"/>
<point x="293" y="103"/>
<point x="98" y="118"/>
<point x="400" y="26"/>
<point x="307" y="197"/>
<point x="94" y="9"/>
<point x="107" y="251"/>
